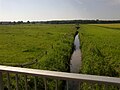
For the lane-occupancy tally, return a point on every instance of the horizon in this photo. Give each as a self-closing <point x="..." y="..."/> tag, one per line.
<point x="65" y="20"/>
<point x="45" y="10"/>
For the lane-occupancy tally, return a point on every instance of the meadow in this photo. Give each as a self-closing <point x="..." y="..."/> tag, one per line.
<point x="100" y="46"/>
<point x="47" y="47"/>
<point x="110" y="26"/>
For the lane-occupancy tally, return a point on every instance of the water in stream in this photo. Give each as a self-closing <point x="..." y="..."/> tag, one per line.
<point x="75" y="63"/>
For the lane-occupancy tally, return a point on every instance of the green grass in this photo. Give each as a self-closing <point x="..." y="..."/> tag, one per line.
<point x="100" y="50"/>
<point x="100" y="46"/>
<point x="110" y="26"/>
<point x="24" y="43"/>
<point x="51" y="45"/>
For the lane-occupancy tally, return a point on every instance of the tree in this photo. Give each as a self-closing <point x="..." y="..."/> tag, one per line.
<point x="28" y="22"/>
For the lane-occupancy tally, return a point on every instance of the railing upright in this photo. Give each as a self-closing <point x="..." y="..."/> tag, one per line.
<point x="25" y="76"/>
<point x="45" y="82"/>
<point x="1" y="81"/>
<point x="8" y="81"/>
<point x="56" y="88"/>
<point x="16" y="77"/>
<point x="35" y="82"/>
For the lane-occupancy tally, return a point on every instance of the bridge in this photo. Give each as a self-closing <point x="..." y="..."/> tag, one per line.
<point x="54" y="75"/>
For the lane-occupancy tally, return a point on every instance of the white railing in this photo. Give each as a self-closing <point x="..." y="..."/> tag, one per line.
<point x="55" y="75"/>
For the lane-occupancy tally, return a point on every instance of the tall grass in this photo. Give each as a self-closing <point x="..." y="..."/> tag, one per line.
<point x="50" y="45"/>
<point x="100" y="50"/>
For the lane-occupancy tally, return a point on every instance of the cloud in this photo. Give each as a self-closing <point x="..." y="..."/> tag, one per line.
<point x="113" y="2"/>
<point x="79" y="1"/>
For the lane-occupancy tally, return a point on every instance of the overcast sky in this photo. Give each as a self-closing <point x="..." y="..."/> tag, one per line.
<point x="15" y="10"/>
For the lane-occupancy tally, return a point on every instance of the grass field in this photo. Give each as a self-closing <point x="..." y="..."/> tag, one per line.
<point x="50" y="46"/>
<point x="100" y="44"/>
<point x="24" y="43"/>
<point x="110" y="26"/>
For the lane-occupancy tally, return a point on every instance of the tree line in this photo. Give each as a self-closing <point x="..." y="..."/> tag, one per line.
<point x="97" y="21"/>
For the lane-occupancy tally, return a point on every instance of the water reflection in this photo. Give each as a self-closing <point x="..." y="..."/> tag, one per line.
<point x="75" y="61"/>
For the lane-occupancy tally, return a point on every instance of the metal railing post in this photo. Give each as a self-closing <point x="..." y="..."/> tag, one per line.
<point x="45" y="83"/>
<point x="16" y="82"/>
<point x="8" y="81"/>
<point x="35" y="83"/>
<point x="56" y="88"/>
<point x="67" y="86"/>
<point x="26" y="82"/>
<point x="1" y="81"/>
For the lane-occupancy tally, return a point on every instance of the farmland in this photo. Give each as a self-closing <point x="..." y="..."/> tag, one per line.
<point x="100" y="45"/>
<point x="47" y="44"/>
<point x="49" y="47"/>
<point x="40" y="46"/>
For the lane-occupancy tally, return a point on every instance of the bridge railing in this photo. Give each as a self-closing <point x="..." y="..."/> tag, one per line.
<point x="52" y="74"/>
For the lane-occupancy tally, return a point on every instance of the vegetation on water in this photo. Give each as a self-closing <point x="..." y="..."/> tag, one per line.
<point x="100" y="46"/>
<point x="48" y="46"/>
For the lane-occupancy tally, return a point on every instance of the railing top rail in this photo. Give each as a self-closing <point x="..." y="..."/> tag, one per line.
<point x="61" y="75"/>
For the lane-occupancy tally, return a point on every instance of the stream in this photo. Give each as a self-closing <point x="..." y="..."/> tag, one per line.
<point x="75" y="63"/>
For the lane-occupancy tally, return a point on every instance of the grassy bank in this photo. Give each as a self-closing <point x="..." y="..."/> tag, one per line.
<point x="100" y="45"/>
<point x="100" y="49"/>
<point x="48" y="46"/>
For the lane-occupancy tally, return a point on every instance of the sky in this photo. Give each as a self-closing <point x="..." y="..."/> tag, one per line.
<point x="40" y="10"/>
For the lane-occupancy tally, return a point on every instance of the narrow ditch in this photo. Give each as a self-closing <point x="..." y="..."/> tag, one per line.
<point x="75" y="62"/>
